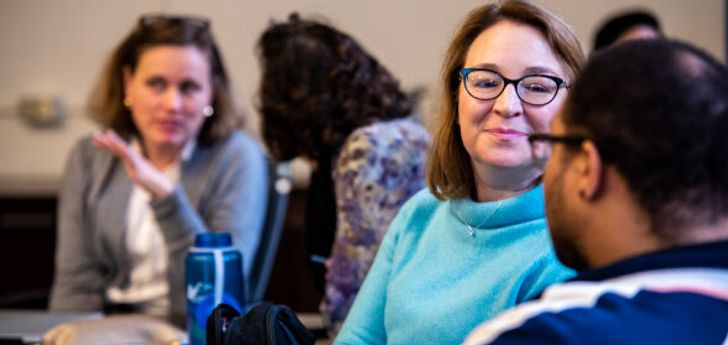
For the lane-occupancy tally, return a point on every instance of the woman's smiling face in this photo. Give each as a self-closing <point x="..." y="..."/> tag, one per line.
<point x="494" y="132"/>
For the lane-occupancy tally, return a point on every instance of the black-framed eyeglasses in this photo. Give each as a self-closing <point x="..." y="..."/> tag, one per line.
<point x="568" y="140"/>
<point x="533" y="89"/>
<point x="160" y="20"/>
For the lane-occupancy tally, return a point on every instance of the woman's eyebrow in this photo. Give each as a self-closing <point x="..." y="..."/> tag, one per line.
<point x="526" y="71"/>
<point x="539" y="70"/>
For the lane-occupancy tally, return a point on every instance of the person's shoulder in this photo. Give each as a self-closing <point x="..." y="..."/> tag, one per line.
<point x="385" y="132"/>
<point x="422" y="204"/>
<point x="239" y="143"/>
<point x="424" y="199"/>
<point x="415" y="215"/>
<point x="84" y="145"/>
<point x="507" y="328"/>
<point x="238" y="153"/>
<point x="88" y="162"/>
<point x="582" y="312"/>
<point x="543" y="321"/>
<point x="239" y="138"/>
<point x="85" y="151"/>
<point x="401" y="140"/>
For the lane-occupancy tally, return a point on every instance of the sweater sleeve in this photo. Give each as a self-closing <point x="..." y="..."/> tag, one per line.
<point x="241" y="198"/>
<point x="79" y="278"/>
<point x="235" y="192"/>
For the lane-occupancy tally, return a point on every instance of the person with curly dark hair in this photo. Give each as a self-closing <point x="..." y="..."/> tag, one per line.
<point x="324" y="97"/>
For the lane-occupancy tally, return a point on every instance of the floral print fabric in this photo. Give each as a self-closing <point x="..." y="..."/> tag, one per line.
<point x="379" y="167"/>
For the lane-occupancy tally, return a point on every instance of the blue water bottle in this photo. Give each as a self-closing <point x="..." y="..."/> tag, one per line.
<point x="213" y="275"/>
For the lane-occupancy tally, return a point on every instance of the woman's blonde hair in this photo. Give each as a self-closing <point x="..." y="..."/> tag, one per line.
<point x="449" y="169"/>
<point x="106" y="102"/>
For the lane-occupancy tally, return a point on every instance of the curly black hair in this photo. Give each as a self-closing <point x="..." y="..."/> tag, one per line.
<point x="658" y="111"/>
<point x="318" y="85"/>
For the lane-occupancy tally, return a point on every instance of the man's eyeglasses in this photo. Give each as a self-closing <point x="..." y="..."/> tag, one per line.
<point x="534" y="89"/>
<point x="568" y="140"/>
<point x="152" y="21"/>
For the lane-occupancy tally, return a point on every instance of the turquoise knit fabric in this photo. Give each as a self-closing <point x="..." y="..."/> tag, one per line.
<point x="432" y="283"/>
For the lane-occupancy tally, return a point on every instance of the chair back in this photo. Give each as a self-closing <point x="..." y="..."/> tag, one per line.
<point x="280" y="183"/>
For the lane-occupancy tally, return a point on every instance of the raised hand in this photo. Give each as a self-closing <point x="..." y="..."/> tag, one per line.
<point x="139" y="169"/>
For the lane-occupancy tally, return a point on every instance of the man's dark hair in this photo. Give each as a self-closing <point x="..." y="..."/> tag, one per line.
<point x="657" y="110"/>
<point x="619" y="24"/>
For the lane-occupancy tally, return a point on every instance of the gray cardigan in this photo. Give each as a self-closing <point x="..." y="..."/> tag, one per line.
<point x="223" y="187"/>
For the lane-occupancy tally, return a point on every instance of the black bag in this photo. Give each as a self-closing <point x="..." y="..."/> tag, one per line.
<point x="265" y="324"/>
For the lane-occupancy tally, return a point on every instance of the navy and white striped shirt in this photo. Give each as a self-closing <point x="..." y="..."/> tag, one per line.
<point x="675" y="296"/>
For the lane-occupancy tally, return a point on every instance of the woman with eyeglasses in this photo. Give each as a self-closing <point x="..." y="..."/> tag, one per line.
<point x="325" y="98"/>
<point x="475" y="242"/>
<point x="170" y="163"/>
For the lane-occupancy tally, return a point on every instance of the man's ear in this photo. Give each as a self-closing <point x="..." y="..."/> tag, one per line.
<point x="590" y="170"/>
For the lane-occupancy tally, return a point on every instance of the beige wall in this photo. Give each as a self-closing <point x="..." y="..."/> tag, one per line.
<point x="57" y="47"/>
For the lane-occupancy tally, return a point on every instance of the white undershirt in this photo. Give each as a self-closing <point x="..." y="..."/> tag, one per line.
<point x="145" y="244"/>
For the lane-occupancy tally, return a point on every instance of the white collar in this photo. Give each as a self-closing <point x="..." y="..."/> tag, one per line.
<point x="136" y="146"/>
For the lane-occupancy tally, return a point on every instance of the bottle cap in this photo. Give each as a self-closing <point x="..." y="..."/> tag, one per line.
<point x="213" y="240"/>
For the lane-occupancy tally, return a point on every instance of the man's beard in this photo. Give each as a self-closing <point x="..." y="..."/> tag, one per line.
<point x="562" y="226"/>
<point x="569" y="254"/>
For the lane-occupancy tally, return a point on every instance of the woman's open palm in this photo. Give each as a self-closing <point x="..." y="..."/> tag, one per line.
<point x="139" y="169"/>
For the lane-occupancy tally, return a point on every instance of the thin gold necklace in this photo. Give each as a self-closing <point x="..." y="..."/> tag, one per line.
<point x="471" y="231"/>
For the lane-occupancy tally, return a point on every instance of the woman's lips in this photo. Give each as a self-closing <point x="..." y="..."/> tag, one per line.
<point x="169" y="126"/>
<point x="502" y="133"/>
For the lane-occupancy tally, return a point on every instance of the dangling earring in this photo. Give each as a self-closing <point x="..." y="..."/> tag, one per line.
<point x="208" y="110"/>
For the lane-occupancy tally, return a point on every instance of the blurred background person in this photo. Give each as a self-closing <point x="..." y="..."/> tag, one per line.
<point x="131" y="204"/>
<point x="637" y="201"/>
<point x="625" y="26"/>
<point x="475" y="242"/>
<point x="324" y="97"/>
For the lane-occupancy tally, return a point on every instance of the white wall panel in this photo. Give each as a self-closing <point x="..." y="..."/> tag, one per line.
<point x="57" y="47"/>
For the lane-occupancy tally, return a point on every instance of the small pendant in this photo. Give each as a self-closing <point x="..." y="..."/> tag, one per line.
<point x="471" y="232"/>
